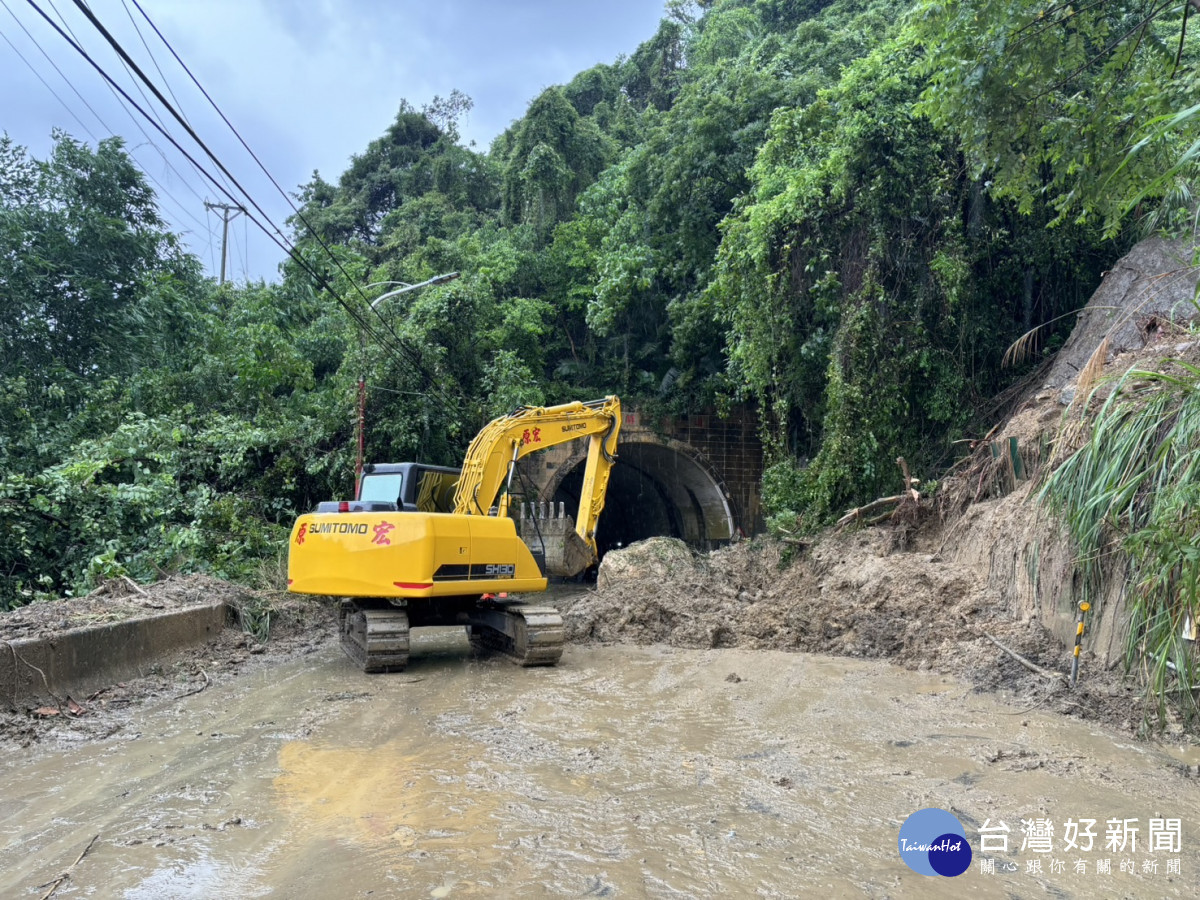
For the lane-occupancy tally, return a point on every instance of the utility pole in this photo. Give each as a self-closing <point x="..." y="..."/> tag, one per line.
<point x="404" y="288"/>
<point x="227" y="213"/>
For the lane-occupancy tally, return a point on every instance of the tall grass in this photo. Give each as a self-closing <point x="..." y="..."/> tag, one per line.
<point x="1134" y="487"/>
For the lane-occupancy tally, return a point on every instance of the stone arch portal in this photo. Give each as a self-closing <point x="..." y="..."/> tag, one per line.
<point x="659" y="486"/>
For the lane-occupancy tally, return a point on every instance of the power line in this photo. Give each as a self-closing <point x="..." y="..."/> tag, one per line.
<point x="181" y="207"/>
<point x="277" y="237"/>
<point x="156" y="120"/>
<point x="150" y="53"/>
<point x="274" y="233"/>
<point x="120" y="51"/>
<point x="413" y="356"/>
<point x="108" y="78"/>
<point x="45" y="83"/>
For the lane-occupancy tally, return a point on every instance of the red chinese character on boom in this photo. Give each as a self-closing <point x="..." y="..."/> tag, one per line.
<point x="525" y="437"/>
<point x="537" y="435"/>
<point x="381" y="531"/>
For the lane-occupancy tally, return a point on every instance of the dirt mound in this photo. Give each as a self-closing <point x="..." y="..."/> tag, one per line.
<point x="116" y="600"/>
<point x="654" y="558"/>
<point x="861" y="594"/>
<point x="980" y="584"/>
<point x="851" y="594"/>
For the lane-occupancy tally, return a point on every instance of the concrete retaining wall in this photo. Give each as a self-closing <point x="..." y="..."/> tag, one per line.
<point x="84" y="660"/>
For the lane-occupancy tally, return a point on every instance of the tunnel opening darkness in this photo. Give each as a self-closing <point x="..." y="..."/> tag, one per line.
<point x="654" y="490"/>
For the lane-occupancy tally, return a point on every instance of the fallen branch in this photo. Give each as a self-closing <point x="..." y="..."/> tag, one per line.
<point x="57" y="883"/>
<point x="197" y="690"/>
<point x="137" y="588"/>
<point x="910" y="493"/>
<point x="910" y="483"/>
<point x="18" y="657"/>
<point x="856" y="514"/>
<point x="1031" y="666"/>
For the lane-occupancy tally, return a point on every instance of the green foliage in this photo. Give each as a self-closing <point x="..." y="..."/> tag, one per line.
<point x="1135" y="485"/>
<point x="870" y="286"/>
<point x="1048" y="98"/>
<point x="556" y="153"/>
<point x="88" y="270"/>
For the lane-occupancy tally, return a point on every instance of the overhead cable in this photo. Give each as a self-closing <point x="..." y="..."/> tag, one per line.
<point x="413" y="355"/>
<point x="290" y="251"/>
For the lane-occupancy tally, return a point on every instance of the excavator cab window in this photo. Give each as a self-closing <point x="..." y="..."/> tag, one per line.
<point x="385" y="487"/>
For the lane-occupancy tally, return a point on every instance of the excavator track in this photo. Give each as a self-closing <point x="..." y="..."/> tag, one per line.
<point x="531" y="635"/>
<point x="375" y="638"/>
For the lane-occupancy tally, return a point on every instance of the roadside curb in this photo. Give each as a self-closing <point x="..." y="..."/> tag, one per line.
<point x="86" y="659"/>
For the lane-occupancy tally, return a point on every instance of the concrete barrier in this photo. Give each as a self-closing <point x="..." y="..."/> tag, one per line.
<point x="83" y="660"/>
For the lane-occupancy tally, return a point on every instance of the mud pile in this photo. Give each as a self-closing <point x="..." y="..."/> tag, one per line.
<point x="860" y="594"/>
<point x="980" y="583"/>
<point x="116" y="600"/>
<point x="268" y="627"/>
<point x="866" y="594"/>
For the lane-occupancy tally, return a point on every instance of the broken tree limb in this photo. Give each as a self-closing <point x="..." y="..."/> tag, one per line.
<point x="133" y="585"/>
<point x="910" y="493"/>
<point x="196" y="690"/>
<point x="57" y="883"/>
<point x="1031" y="666"/>
<point x="909" y="482"/>
<point x="871" y="507"/>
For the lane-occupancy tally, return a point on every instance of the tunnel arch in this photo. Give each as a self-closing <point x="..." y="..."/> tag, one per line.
<point x="659" y="486"/>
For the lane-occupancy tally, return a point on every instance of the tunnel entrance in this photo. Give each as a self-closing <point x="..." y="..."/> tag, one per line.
<point x="655" y="489"/>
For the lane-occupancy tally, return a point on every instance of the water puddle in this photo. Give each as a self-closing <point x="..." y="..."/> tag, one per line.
<point x="623" y="771"/>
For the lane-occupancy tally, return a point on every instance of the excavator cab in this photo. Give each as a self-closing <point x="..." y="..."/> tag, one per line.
<point x="400" y="487"/>
<point x="413" y="487"/>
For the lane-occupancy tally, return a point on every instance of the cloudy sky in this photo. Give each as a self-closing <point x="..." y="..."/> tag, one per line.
<point x="307" y="83"/>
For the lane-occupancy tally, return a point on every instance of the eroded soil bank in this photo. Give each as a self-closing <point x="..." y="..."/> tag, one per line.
<point x="624" y="771"/>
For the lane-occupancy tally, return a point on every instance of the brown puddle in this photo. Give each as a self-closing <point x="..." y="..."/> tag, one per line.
<point x="622" y="772"/>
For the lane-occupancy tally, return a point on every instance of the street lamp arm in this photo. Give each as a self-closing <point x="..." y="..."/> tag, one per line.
<point x="382" y="283"/>
<point x="436" y="279"/>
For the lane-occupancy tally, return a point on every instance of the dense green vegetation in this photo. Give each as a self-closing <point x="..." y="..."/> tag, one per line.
<point x="839" y="212"/>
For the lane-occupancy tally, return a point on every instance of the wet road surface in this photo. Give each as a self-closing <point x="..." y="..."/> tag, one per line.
<point x="623" y="772"/>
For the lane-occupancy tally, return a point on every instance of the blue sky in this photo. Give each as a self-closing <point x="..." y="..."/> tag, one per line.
<point x="307" y="83"/>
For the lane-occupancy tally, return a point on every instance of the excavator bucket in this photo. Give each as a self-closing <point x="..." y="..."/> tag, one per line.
<point x="550" y="535"/>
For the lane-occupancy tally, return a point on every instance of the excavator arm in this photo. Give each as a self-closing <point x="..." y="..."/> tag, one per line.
<point x="488" y="466"/>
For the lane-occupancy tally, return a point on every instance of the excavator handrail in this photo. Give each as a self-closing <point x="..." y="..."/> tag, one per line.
<point x="505" y="440"/>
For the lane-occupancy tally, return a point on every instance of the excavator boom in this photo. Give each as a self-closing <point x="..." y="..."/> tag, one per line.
<point x="503" y="441"/>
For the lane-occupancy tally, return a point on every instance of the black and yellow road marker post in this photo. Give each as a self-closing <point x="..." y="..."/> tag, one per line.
<point x="1083" y="608"/>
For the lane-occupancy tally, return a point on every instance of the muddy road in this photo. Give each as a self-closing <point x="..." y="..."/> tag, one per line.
<point x="625" y="771"/>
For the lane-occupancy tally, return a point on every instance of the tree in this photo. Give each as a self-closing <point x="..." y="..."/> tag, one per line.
<point x="1049" y="98"/>
<point x="555" y="154"/>
<point x="86" y="265"/>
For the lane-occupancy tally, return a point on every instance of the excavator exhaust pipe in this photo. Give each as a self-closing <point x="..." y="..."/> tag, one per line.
<point x="549" y="533"/>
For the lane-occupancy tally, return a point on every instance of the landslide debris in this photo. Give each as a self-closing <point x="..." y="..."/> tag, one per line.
<point x="977" y="564"/>
<point x="856" y="594"/>
<point x="291" y="625"/>
<point x="877" y="593"/>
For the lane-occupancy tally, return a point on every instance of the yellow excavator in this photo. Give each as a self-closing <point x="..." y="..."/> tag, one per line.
<point x="402" y="556"/>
